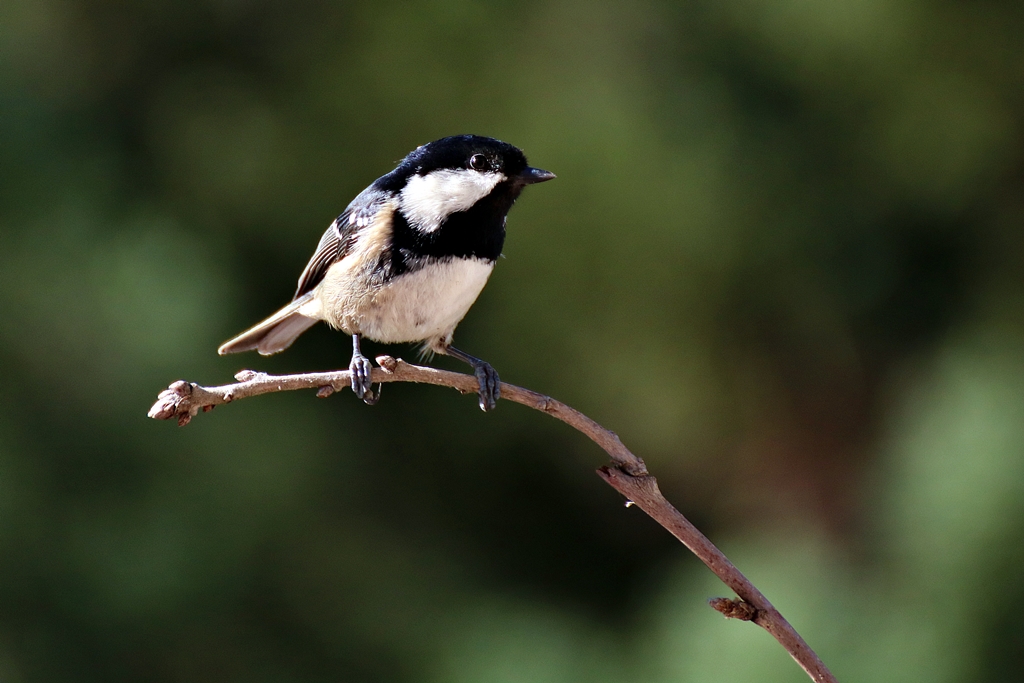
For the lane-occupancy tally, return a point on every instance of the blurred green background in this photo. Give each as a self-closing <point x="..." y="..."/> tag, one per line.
<point x="782" y="259"/>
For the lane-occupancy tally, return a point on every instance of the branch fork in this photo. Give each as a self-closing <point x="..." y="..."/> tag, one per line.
<point x="627" y="473"/>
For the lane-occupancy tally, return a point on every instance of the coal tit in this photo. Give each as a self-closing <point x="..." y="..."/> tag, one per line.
<point x="408" y="257"/>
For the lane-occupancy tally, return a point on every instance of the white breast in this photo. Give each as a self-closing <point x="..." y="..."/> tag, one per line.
<point x="422" y="305"/>
<point x="426" y="200"/>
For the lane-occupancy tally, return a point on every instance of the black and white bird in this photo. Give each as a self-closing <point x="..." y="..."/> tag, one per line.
<point x="408" y="257"/>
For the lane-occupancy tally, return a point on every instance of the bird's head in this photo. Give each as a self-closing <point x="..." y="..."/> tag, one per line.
<point x="452" y="174"/>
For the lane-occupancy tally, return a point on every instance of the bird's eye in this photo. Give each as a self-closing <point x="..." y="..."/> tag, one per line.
<point x="478" y="162"/>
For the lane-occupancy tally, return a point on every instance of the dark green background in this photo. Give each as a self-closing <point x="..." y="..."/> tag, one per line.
<point x="782" y="259"/>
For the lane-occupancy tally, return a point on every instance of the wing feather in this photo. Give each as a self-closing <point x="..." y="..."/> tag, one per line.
<point x="338" y="240"/>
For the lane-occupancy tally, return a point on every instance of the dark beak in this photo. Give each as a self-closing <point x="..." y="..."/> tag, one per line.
<point x="535" y="175"/>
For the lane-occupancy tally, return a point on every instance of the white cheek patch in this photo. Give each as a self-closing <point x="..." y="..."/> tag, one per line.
<point x="427" y="200"/>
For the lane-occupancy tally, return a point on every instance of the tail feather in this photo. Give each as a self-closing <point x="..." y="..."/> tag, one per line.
<point x="277" y="332"/>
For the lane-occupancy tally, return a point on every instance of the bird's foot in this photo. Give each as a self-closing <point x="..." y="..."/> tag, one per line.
<point x="490" y="385"/>
<point x="486" y="377"/>
<point x="360" y="367"/>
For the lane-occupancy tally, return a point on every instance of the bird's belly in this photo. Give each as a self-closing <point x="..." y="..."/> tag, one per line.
<point x="418" y="305"/>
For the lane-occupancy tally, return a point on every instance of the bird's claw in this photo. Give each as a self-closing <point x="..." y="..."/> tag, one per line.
<point x="490" y="386"/>
<point x="360" y="367"/>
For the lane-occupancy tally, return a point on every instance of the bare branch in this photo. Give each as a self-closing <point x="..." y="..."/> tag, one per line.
<point x="628" y="475"/>
<point x="644" y="493"/>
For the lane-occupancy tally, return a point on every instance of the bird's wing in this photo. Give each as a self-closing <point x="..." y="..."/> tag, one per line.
<point x="337" y="241"/>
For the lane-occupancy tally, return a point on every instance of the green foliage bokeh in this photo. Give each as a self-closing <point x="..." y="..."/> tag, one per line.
<point x="782" y="259"/>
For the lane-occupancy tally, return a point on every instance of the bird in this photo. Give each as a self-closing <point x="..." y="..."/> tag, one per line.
<point x="407" y="258"/>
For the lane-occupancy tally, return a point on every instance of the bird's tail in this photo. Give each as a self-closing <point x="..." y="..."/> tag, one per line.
<point x="277" y="332"/>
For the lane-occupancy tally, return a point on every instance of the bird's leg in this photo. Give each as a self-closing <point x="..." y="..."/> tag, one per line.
<point x="360" y="368"/>
<point x="490" y="385"/>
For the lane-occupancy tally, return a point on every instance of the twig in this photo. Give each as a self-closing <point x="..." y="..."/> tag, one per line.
<point x="628" y="475"/>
